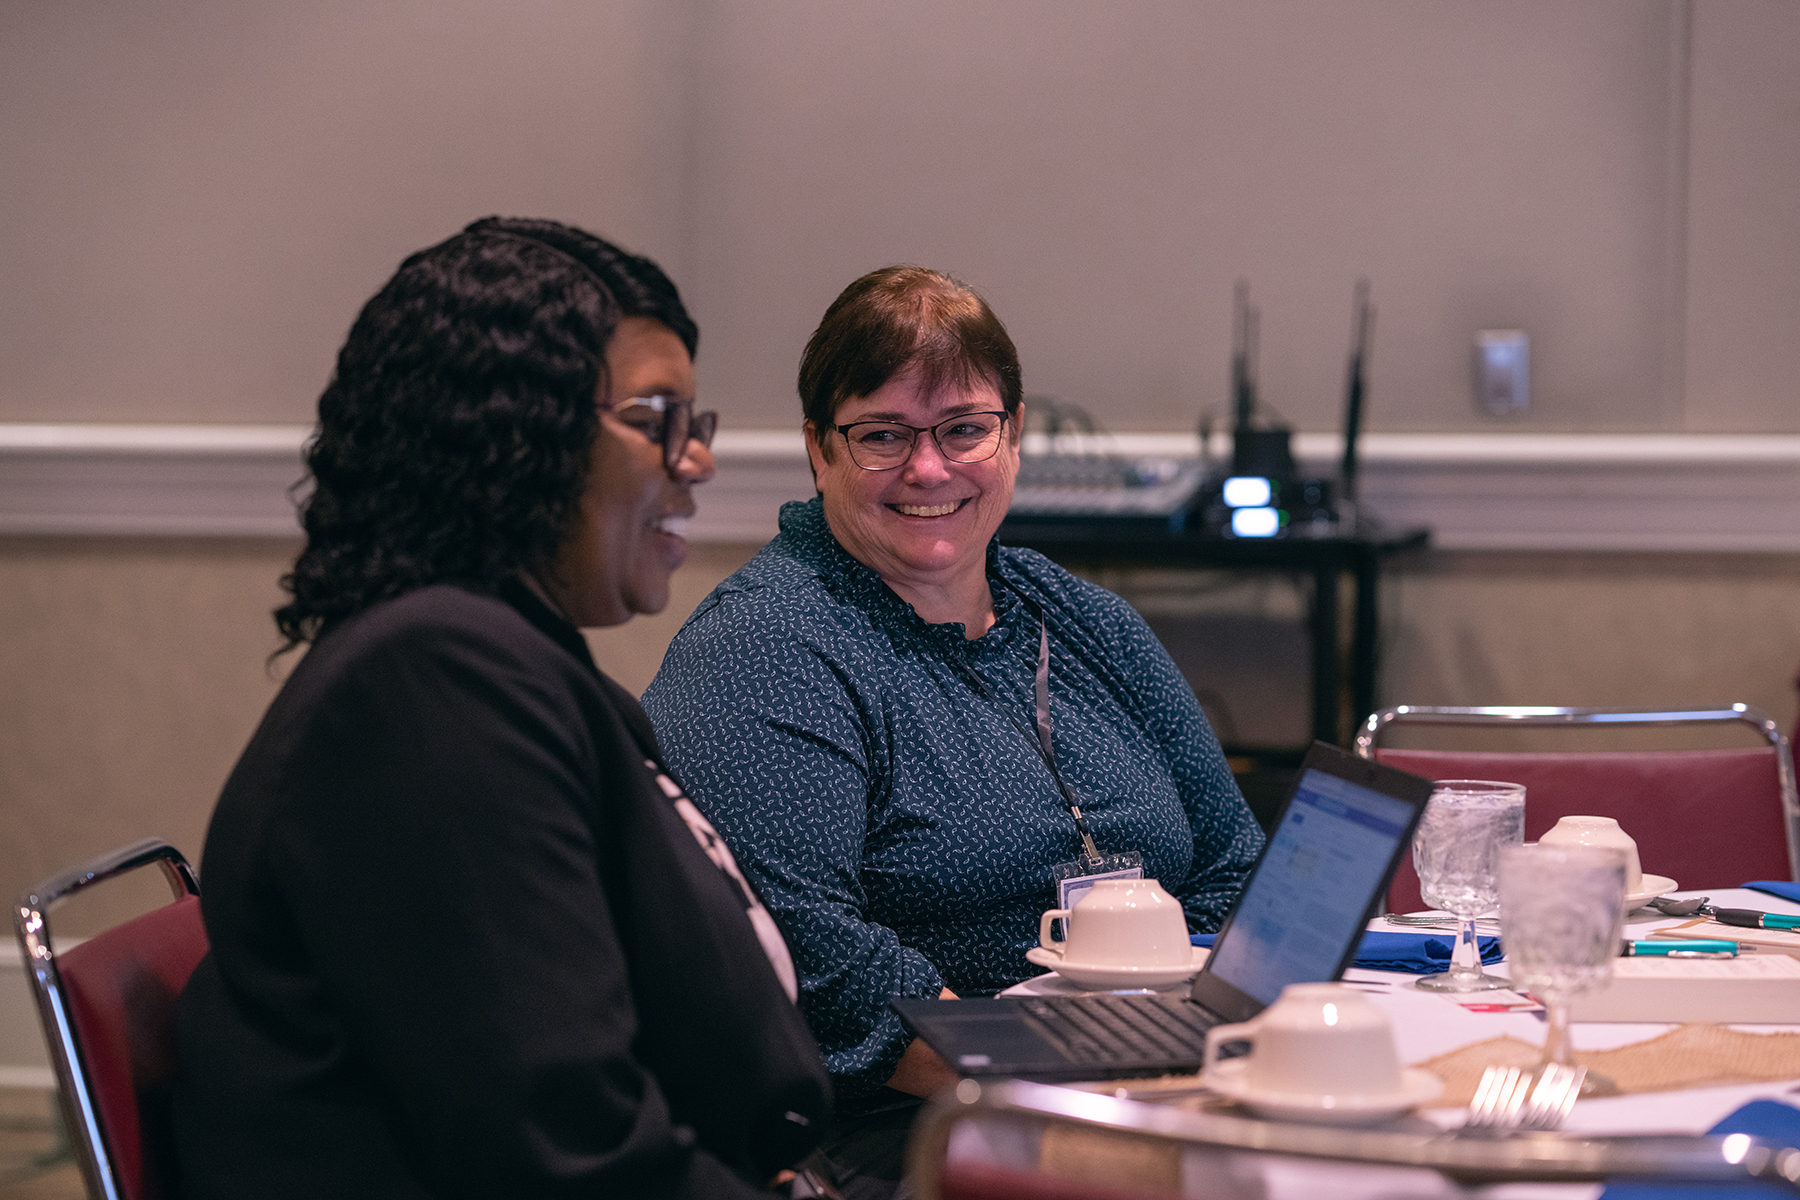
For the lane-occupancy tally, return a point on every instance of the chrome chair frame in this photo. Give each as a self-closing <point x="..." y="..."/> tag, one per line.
<point x="1557" y="1158"/>
<point x="1761" y="722"/>
<point x="31" y="922"/>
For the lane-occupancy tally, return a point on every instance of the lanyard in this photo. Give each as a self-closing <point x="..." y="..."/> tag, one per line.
<point x="1041" y="739"/>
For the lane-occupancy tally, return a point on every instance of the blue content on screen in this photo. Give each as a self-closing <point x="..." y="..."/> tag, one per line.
<point x="1311" y="892"/>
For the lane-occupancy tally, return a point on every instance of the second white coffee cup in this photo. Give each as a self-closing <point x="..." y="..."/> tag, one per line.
<point x="1318" y="1040"/>
<point x="1599" y="831"/>
<point x="1121" y="923"/>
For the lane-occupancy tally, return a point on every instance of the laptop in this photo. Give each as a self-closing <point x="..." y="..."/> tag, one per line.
<point x="1299" y="919"/>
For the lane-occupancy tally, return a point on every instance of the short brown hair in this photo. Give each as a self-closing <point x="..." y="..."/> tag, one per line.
<point x="899" y="319"/>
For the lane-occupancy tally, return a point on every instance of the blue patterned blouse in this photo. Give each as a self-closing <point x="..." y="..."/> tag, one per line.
<point x="899" y="825"/>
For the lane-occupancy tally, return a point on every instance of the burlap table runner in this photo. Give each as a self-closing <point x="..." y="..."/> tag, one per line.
<point x="1696" y="1055"/>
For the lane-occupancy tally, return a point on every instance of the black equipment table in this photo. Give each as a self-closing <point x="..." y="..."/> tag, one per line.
<point x="1327" y="558"/>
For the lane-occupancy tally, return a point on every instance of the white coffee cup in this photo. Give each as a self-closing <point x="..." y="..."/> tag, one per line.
<point x="1121" y="923"/>
<point x="1600" y="831"/>
<point x="1316" y="1040"/>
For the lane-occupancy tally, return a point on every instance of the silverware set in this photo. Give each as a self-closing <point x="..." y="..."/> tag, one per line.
<point x="1539" y="1099"/>
<point x="1439" y="921"/>
<point x="1509" y="1099"/>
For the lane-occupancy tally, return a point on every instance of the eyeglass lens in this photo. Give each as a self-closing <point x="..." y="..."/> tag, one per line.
<point x="671" y="422"/>
<point x="684" y="426"/>
<point x="969" y="438"/>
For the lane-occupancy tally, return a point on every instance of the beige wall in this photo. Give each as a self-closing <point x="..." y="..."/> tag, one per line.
<point x="1597" y="629"/>
<point x="1627" y="630"/>
<point x="198" y="196"/>
<point x="1743" y="253"/>
<point x="136" y="670"/>
<point x="1105" y="172"/>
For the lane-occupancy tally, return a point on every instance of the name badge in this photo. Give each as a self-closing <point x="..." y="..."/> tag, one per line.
<point x="1076" y="879"/>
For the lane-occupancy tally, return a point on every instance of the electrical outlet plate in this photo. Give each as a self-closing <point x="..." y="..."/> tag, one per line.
<point x="1503" y="372"/>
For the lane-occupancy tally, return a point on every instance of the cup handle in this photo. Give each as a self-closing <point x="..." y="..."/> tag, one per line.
<point x="1218" y="1035"/>
<point x="1044" y="938"/>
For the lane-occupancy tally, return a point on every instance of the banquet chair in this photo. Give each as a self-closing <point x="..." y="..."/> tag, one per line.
<point x="1706" y="818"/>
<point x="108" y="1008"/>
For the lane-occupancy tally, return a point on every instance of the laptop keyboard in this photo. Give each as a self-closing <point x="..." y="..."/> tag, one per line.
<point x="1122" y="1030"/>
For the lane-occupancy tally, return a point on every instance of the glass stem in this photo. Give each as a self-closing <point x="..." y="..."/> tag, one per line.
<point x="1465" y="956"/>
<point x="1557" y="1048"/>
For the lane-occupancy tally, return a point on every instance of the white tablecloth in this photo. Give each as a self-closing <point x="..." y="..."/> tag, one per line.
<point x="1427" y="1025"/>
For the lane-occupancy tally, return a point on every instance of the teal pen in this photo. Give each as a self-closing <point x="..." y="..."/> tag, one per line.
<point x="1749" y="918"/>
<point x="1682" y="948"/>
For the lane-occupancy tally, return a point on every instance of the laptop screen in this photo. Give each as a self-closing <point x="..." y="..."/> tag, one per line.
<point x="1311" y="891"/>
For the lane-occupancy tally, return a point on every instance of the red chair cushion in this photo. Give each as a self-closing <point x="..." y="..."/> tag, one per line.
<point x="121" y="989"/>
<point x="1706" y="818"/>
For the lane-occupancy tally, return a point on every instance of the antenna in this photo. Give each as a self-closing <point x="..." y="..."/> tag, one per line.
<point x="1362" y="332"/>
<point x="1243" y="357"/>
<point x="1265" y="452"/>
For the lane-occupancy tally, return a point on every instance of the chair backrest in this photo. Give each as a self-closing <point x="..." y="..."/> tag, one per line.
<point x="108" y="1007"/>
<point x="1707" y="818"/>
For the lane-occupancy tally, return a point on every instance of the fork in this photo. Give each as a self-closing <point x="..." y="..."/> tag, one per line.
<point x="1436" y="921"/>
<point x="1509" y="1099"/>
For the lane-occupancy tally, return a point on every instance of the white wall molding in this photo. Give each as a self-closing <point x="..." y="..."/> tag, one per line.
<point x="158" y="480"/>
<point x="1503" y="491"/>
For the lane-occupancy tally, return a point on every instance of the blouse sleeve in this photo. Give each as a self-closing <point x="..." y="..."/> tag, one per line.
<point x="441" y="870"/>
<point x="775" y="741"/>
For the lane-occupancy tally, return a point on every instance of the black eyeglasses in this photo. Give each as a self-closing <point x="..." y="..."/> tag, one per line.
<point x="669" y="421"/>
<point x="883" y="445"/>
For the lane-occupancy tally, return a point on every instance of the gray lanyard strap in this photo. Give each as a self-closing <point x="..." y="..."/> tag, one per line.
<point x="1043" y="737"/>
<point x="1041" y="741"/>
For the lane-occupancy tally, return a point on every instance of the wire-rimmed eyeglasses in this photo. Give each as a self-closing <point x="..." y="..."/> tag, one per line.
<point x="965" y="438"/>
<point x="669" y="421"/>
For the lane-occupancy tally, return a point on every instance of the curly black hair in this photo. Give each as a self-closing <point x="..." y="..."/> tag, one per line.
<point x="454" y="438"/>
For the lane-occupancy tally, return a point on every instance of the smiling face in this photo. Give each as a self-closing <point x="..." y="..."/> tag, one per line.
<point x="923" y="527"/>
<point x="623" y="541"/>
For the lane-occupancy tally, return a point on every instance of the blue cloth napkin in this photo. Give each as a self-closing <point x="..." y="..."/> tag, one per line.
<point x="1414" y="953"/>
<point x="1766" y="1119"/>
<point x="1787" y="891"/>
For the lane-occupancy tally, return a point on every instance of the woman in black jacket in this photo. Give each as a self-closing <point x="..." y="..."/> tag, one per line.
<point x="469" y="938"/>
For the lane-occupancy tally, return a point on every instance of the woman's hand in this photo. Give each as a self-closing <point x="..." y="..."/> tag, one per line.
<point x="921" y="1071"/>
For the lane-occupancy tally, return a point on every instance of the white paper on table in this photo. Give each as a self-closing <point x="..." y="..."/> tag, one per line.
<point x="1785" y="940"/>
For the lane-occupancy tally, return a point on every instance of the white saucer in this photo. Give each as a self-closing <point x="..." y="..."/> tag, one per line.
<point x="1096" y="975"/>
<point x="1416" y="1087"/>
<point x="1654" y="886"/>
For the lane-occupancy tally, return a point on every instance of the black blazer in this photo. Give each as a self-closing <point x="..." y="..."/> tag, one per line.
<point x="463" y="944"/>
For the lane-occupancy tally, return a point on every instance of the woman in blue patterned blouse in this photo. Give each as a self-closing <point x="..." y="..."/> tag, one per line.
<point x="854" y="709"/>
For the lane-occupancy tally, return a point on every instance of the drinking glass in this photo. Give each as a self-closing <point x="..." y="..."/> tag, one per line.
<point x="1562" y="913"/>
<point x="1465" y="824"/>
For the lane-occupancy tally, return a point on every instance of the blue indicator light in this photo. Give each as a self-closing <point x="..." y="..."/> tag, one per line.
<point x="1255" y="522"/>
<point x="1248" y="491"/>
